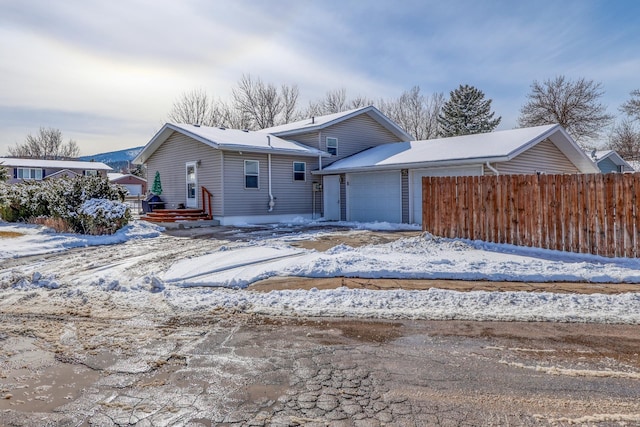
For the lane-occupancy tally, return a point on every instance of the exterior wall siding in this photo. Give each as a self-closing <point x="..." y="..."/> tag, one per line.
<point x="544" y="157"/>
<point x="355" y="135"/>
<point x="404" y="174"/>
<point x="46" y="172"/>
<point x="607" y="166"/>
<point x="343" y="197"/>
<point x="170" y="160"/>
<point x="291" y="197"/>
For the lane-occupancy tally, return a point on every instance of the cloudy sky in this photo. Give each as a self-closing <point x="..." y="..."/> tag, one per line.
<point x="106" y="72"/>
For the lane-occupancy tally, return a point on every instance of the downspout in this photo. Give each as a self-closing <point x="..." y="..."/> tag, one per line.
<point x="494" y="170"/>
<point x="272" y="201"/>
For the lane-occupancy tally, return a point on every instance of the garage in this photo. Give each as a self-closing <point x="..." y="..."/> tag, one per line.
<point x="416" y="184"/>
<point x="134" y="189"/>
<point x="375" y="196"/>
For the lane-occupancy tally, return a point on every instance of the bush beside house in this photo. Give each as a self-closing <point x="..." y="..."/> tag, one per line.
<point x="88" y="205"/>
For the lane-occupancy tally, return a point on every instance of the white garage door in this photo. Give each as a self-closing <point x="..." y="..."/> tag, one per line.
<point x="416" y="183"/>
<point x="374" y="196"/>
<point x="134" y="189"/>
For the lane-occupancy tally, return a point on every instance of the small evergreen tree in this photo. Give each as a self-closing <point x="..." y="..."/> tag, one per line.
<point x="4" y="174"/>
<point x="466" y="112"/>
<point x="157" y="185"/>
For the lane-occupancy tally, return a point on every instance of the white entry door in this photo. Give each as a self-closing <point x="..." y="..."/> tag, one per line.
<point x="331" y="199"/>
<point x="192" y="185"/>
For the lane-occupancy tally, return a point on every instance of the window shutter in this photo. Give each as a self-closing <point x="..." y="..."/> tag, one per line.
<point x="15" y="173"/>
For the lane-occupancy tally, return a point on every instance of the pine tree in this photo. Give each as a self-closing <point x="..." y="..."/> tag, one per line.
<point x="466" y="112"/>
<point x="4" y="174"/>
<point x="157" y="185"/>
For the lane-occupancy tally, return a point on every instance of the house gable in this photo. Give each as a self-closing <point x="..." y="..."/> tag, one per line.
<point x="543" y="157"/>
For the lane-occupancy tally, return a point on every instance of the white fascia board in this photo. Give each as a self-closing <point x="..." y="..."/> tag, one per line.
<point x="283" y="151"/>
<point x="417" y="165"/>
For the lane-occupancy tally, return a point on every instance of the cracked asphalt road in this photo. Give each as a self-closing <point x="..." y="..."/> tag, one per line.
<point x="225" y="369"/>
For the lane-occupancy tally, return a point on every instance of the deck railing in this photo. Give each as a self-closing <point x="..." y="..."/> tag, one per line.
<point x="206" y="202"/>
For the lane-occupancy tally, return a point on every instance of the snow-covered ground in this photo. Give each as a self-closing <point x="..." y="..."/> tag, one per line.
<point x="216" y="276"/>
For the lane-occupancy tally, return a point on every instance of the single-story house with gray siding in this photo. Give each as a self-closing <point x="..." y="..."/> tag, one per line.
<point x="38" y="169"/>
<point x="609" y="161"/>
<point x="356" y="166"/>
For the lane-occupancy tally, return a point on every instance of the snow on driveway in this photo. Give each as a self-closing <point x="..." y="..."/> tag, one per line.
<point x="197" y="275"/>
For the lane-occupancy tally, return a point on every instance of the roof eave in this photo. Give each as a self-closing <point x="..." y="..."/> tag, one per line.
<point x="272" y="150"/>
<point x="381" y="118"/>
<point x="416" y="165"/>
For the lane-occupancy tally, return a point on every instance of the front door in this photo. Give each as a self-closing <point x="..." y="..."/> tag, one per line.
<point x="192" y="185"/>
<point x="331" y="199"/>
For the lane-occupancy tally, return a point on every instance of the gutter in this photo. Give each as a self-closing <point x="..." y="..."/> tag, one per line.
<point x="397" y="166"/>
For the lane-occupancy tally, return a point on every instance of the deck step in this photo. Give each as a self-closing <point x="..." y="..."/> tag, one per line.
<point x="175" y="215"/>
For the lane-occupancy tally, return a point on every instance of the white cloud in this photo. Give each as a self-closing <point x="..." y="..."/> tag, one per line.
<point x="131" y="59"/>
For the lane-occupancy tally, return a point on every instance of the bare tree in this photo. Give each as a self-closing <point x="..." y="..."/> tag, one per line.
<point x="632" y="106"/>
<point x="415" y="113"/>
<point x="625" y="140"/>
<point x="263" y="104"/>
<point x="573" y="104"/>
<point x="47" y="144"/>
<point x="196" y="108"/>
<point x="335" y="101"/>
<point x="290" y="112"/>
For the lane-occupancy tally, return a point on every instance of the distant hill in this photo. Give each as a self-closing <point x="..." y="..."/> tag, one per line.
<point x="116" y="159"/>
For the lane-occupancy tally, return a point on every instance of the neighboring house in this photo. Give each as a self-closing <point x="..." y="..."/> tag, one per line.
<point x="385" y="183"/>
<point x="37" y="169"/>
<point x="263" y="176"/>
<point x="356" y="166"/>
<point x="134" y="184"/>
<point x="609" y="161"/>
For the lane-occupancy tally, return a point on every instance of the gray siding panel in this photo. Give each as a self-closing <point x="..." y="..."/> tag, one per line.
<point x="405" y="195"/>
<point x="291" y="197"/>
<point x="170" y="159"/>
<point x="544" y="157"/>
<point x="355" y="135"/>
<point x="607" y="166"/>
<point x="343" y="198"/>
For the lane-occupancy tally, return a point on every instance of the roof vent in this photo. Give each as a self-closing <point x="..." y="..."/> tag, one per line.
<point x="313" y="119"/>
<point x="223" y="128"/>
<point x="245" y="130"/>
<point x="196" y="125"/>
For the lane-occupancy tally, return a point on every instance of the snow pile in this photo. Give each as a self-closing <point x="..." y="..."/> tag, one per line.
<point x="432" y="304"/>
<point x="38" y="240"/>
<point x="422" y="257"/>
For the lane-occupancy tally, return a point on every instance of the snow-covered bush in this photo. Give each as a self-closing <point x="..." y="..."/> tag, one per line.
<point x="103" y="216"/>
<point x="63" y="198"/>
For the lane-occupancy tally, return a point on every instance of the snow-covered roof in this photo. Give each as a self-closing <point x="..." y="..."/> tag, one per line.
<point x="320" y="122"/>
<point x="612" y="155"/>
<point x="61" y="173"/>
<point x="479" y="148"/>
<point x="52" y="164"/>
<point x="117" y="175"/>
<point x="228" y="139"/>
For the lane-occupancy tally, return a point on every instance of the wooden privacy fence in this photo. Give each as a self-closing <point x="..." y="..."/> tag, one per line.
<point x="595" y="213"/>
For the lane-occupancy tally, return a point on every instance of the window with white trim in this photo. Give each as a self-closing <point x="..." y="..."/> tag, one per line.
<point x="91" y="172"/>
<point x="30" y="173"/>
<point x="332" y="145"/>
<point x="251" y="173"/>
<point x="299" y="171"/>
